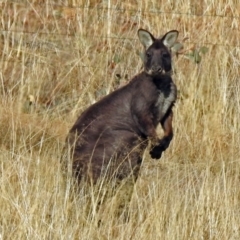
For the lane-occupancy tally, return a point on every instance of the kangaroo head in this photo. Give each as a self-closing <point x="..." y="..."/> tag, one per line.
<point x="157" y="56"/>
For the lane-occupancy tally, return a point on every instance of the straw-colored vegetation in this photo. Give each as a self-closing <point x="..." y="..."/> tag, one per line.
<point x="57" y="59"/>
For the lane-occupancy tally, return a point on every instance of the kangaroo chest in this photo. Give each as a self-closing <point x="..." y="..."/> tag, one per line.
<point x="166" y="98"/>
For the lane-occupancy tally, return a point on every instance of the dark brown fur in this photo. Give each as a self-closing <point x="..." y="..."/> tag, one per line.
<point x="110" y="136"/>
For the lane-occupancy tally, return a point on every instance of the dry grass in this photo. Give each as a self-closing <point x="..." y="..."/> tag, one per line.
<point x="56" y="60"/>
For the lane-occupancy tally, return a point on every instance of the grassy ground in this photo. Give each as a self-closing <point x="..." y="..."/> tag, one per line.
<point x="56" y="60"/>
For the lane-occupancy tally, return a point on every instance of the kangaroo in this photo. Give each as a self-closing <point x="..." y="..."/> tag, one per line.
<point x="110" y="136"/>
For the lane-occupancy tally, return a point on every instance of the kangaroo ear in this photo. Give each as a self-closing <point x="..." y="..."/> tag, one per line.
<point x="146" y="38"/>
<point x="170" y="38"/>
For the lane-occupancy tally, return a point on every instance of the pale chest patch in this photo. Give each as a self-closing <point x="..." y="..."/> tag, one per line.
<point x="164" y="102"/>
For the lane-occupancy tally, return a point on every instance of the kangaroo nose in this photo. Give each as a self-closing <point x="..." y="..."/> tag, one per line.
<point x="157" y="68"/>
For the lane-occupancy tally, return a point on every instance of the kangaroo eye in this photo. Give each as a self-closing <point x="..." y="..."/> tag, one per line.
<point x="148" y="54"/>
<point x="165" y="55"/>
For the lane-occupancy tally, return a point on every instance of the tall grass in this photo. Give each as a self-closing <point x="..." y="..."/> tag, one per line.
<point x="57" y="59"/>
